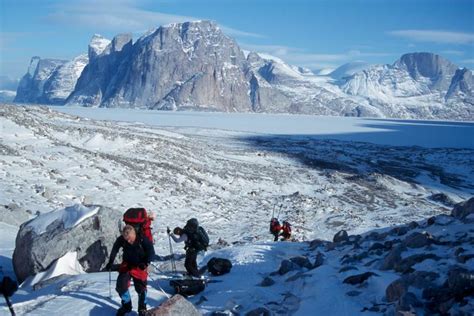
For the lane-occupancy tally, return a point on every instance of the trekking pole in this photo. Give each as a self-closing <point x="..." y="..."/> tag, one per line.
<point x="278" y="216"/>
<point x="10" y="306"/>
<point x="173" y="264"/>
<point x="273" y="212"/>
<point x="110" y="282"/>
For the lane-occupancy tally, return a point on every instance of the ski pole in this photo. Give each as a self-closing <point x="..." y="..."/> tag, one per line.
<point x="278" y="216"/>
<point x="10" y="306"/>
<point x="173" y="264"/>
<point x="110" y="282"/>
<point x="273" y="212"/>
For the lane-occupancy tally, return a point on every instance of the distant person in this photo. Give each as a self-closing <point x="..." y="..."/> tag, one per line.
<point x="275" y="228"/>
<point x="285" y="231"/>
<point x="137" y="255"/>
<point x="195" y="240"/>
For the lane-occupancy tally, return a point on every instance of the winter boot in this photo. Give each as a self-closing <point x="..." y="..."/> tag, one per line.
<point x="126" y="308"/>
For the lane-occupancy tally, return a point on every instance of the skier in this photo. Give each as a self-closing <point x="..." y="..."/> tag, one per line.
<point x="137" y="255"/>
<point x="195" y="239"/>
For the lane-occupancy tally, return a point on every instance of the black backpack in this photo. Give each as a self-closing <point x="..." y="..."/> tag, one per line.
<point x="219" y="266"/>
<point x="197" y="235"/>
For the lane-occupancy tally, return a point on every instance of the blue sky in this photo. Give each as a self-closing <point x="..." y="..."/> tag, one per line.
<point x="316" y="34"/>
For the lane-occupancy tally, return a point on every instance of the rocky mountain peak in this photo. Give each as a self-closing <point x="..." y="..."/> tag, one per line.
<point x="428" y="65"/>
<point x="97" y="45"/>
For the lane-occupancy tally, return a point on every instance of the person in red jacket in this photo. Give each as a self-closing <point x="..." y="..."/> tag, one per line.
<point x="275" y="228"/>
<point x="286" y="230"/>
<point x="137" y="255"/>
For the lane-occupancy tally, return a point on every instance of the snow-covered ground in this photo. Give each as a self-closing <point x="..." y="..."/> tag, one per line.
<point x="230" y="171"/>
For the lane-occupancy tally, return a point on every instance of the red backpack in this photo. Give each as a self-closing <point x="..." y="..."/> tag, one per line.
<point x="141" y="221"/>
<point x="286" y="230"/>
<point x="275" y="226"/>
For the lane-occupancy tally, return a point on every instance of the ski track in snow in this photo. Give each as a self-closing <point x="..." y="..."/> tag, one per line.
<point x="230" y="180"/>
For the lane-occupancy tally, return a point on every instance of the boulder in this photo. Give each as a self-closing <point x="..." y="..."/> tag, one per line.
<point x="88" y="230"/>
<point x="287" y="266"/>
<point x="405" y="265"/>
<point x="392" y="258"/>
<point x="267" y="281"/>
<point x="341" y="236"/>
<point x="395" y="290"/>
<point x="358" y="278"/>
<point x="408" y="302"/>
<point x="463" y="209"/>
<point x="176" y="305"/>
<point x="302" y="261"/>
<point x="417" y="240"/>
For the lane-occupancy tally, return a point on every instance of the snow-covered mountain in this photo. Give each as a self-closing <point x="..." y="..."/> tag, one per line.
<point x="194" y="65"/>
<point x="417" y="85"/>
<point x="49" y="81"/>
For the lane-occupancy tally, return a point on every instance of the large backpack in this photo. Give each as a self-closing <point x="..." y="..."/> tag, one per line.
<point x="197" y="235"/>
<point x="219" y="266"/>
<point x="138" y="218"/>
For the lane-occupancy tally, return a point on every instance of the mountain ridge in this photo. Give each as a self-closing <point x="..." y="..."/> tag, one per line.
<point x="194" y="65"/>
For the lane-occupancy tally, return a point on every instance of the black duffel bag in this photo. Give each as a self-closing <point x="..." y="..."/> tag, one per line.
<point x="188" y="287"/>
<point x="219" y="266"/>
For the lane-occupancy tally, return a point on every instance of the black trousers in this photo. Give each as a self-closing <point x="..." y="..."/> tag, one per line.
<point x="190" y="262"/>
<point x="123" y="283"/>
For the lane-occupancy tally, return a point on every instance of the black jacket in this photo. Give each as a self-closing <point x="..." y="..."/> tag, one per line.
<point x="141" y="252"/>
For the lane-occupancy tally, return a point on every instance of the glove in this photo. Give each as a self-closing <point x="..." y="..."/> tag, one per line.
<point x="168" y="230"/>
<point x="108" y="266"/>
<point x="142" y="266"/>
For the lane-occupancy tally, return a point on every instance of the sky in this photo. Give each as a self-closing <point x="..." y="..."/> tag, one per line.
<point x="316" y="34"/>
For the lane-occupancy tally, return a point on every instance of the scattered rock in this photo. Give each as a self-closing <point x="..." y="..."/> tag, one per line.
<point x="302" y="261"/>
<point x="259" y="311"/>
<point x="392" y="258"/>
<point x="300" y="275"/>
<point x="408" y="302"/>
<point x="319" y="261"/>
<point x="176" y="305"/>
<point x="353" y="293"/>
<point x="405" y="265"/>
<point x="267" y="281"/>
<point x="395" y="290"/>
<point x="316" y="243"/>
<point x="399" y="230"/>
<point x="287" y="266"/>
<point x="442" y="198"/>
<point x="341" y="236"/>
<point x="417" y="240"/>
<point x="463" y="209"/>
<point x="358" y="278"/>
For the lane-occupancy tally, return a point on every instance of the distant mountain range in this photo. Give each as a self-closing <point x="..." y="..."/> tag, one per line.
<point x="194" y="65"/>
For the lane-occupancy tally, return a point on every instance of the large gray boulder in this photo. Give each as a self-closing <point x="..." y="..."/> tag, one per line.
<point x="175" y="306"/>
<point x="89" y="230"/>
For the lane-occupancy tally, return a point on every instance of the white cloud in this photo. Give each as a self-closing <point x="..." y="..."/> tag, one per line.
<point x="120" y="16"/>
<point x="435" y="36"/>
<point x="453" y="52"/>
